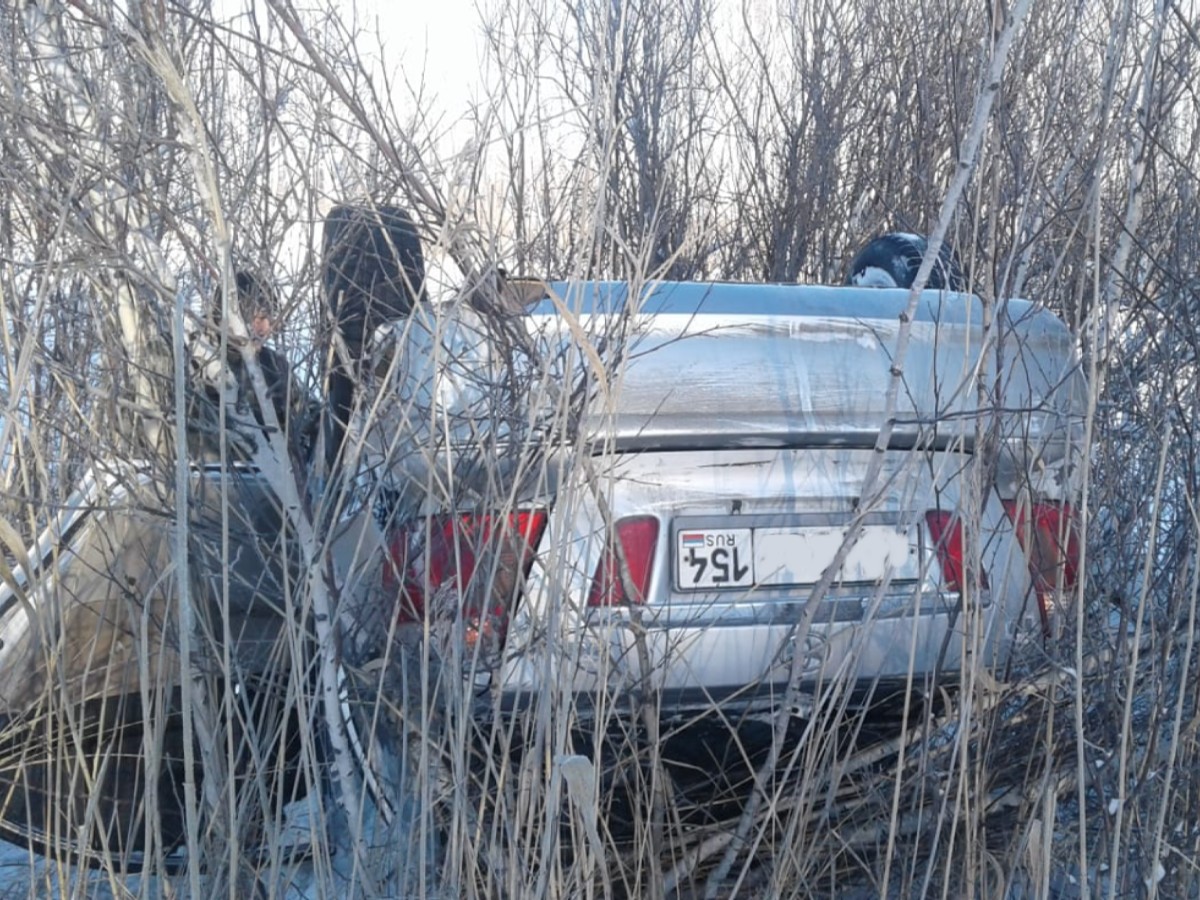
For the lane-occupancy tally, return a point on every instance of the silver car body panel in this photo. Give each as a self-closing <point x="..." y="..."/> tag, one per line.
<point x="721" y="641"/>
<point x="736" y="406"/>
<point x="730" y="365"/>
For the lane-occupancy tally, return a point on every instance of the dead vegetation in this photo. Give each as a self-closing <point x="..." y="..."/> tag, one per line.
<point x="149" y="151"/>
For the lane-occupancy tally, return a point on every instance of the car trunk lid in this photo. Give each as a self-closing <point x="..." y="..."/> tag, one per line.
<point x="695" y="365"/>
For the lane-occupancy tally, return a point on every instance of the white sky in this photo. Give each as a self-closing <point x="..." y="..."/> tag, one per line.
<point x="441" y="38"/>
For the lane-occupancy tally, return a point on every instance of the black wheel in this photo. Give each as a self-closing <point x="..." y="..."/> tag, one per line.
<point x="892" y="260"/>
<point x="373" y="268"/>
<point x="373" y="272"/>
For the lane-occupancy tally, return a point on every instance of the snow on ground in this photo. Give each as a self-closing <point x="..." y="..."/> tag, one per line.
<point x="26" y="874"/>
<point x="23" y="874"/>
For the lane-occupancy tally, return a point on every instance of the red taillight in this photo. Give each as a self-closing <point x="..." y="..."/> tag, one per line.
<point x="946" y="531"/>
<point x="637" y="538"/>
<point x="1050" y="538"/>
<point x="470" y="562"/>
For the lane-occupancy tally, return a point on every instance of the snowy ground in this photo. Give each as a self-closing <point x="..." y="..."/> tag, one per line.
<point x="25" y="874"/>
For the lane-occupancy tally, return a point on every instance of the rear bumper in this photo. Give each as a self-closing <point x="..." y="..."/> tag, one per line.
<point x="684" y="707"/>
<point x="740" y="664"/>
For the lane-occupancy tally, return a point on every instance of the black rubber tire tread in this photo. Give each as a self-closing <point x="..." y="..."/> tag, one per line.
<point x="373" y="273"/>
<point x="373" y="267"/>
<point x="899" y="255"/>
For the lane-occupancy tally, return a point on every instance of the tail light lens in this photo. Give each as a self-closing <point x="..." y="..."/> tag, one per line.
<point x="946" y="531"/>
<point x="468" y="564"/>
<point x="633" y="542"/>
<point x="1049" y="536"/>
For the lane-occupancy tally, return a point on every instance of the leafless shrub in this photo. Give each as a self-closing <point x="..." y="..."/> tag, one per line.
<point x="148" y="153"/>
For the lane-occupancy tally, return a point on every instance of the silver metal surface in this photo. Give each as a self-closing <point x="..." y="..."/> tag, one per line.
<point x="725" y="365"/>
<point x="727" y="405"/>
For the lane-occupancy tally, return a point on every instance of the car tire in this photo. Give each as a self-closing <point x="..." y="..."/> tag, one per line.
<point x="373" y="270"/>
<point x="892" y="260"/>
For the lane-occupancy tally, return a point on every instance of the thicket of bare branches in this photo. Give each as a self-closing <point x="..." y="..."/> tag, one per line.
<point x="147" y="152"/>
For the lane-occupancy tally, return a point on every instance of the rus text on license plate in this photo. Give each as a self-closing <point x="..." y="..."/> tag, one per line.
<point x="714" y="558"/>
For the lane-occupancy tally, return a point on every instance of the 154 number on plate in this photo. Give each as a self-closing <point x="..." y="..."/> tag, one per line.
<point x="714" y="558"/>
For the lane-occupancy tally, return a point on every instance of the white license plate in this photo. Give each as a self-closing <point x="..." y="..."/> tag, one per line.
<point x="714" y="558"/>
<point x="785" y="556"/>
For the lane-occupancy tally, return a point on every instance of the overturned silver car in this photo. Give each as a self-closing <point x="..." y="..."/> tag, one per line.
<point x="692" y="496"/>
<point x="719" y="494"/>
